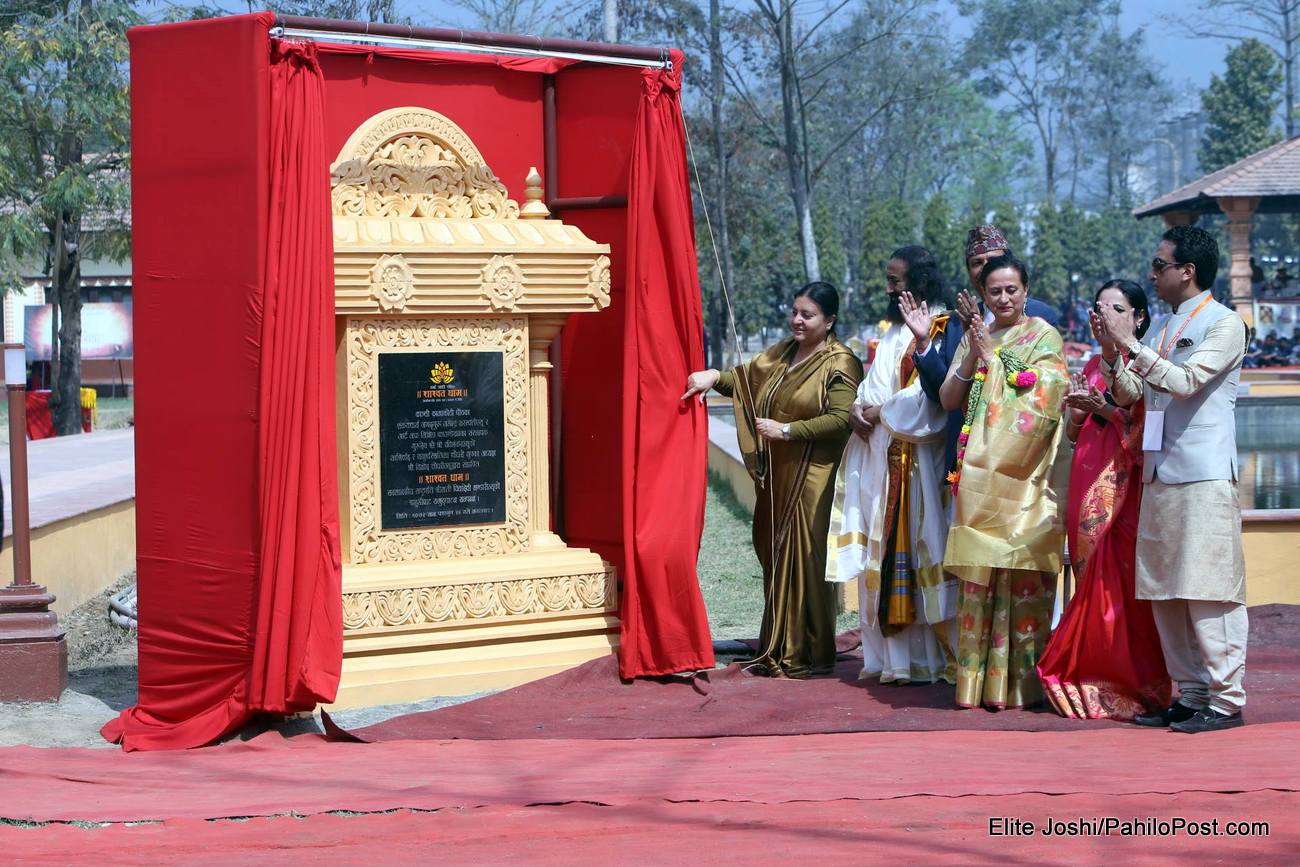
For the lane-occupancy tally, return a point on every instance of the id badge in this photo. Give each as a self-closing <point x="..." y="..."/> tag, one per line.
<point x="1153" y="434"/>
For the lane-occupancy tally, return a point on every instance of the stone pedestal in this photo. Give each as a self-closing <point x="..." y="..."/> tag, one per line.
<point x="33" y="650"/>
<point x="448" y="298"/>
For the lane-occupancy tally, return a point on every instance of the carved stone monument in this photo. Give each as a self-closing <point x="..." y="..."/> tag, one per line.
<point x="447" y="298"/>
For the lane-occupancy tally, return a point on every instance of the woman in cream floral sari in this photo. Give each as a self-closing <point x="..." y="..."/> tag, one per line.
<point x="1009" y="487"/>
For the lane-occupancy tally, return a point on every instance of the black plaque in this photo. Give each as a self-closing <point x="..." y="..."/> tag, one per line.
<point x="441" y="439"/>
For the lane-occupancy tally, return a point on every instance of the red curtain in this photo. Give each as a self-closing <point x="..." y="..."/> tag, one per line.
<point x="237" y="505"/>
<point x="298" y="643"/>
<point x="665" y="626"/>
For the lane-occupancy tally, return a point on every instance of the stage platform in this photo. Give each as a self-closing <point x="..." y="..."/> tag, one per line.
<point x="81" y="496"/>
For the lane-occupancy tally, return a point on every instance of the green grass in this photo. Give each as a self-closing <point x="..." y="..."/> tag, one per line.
<point x="730" y="576"/>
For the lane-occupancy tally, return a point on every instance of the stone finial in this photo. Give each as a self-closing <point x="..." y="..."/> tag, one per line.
<point x="534" y="204"/>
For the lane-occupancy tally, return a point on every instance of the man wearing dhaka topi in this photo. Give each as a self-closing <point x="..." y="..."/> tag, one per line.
<point x="1189" y="557"/>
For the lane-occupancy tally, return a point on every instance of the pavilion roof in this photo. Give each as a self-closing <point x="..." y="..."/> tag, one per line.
<point x="1272" y="174"/>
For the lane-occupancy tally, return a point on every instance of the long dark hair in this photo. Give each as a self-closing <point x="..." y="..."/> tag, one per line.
<point x="923" y="278"/>
<point x="1136" y="298"/>
<point x="825" y="296"/>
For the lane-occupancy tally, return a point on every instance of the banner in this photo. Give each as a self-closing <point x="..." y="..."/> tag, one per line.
<point x="105" y="331"/>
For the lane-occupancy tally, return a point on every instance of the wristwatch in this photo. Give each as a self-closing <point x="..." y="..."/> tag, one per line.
<point x="785" y="431"/>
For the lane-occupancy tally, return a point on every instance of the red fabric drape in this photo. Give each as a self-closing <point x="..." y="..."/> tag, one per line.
<point x="298" y="643"/>
<point x="420" y="55"/>
<point x="665" y="626"/>
<point x="237" y="551"/>
<point x="40" y="421"/>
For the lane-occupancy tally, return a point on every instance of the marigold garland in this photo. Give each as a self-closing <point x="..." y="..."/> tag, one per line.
<point x="1019" y="375"/>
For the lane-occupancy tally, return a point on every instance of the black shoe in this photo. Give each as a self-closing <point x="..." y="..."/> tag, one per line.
<point x="1176" y="712"/>
<point x="1208" y="721"/>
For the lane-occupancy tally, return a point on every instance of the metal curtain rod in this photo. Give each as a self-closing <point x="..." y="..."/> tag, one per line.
<point x="404" y="36"/>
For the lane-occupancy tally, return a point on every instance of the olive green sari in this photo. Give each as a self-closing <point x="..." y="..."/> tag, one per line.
<point x="795" y="486"/>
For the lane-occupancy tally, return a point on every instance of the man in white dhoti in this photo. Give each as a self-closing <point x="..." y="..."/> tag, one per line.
<point x="1189" y="557"/>
<point x="890" y="525"/>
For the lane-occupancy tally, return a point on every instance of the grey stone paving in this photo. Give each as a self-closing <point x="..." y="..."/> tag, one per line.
<point x="72" y="475"/>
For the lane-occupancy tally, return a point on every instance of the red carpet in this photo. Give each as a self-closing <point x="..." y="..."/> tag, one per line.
<point x="921" y="796"/>
<point x="590" y="702"/>
<point x="913" y="830"/>
<point x="308" y="775"/>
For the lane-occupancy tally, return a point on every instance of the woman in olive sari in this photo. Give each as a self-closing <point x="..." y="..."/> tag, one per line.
<point x="792" y="418"/>
<point x="1007" y="532"/>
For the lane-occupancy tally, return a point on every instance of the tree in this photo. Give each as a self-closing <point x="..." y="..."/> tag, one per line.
<point x="64" y="132"/>
<point x="717" y="102"/>
<point x="1240" y="106"/>
<point x="1124" y="85"/>
<point x="943" y="236"/>
<point x="888" y="224"/>
<point x="1033" y="52"/>
<point x="1007" y="217"/>
<point x="380" y="11"/>
<point x="1275" y="23"/>
<point x="805" y="64"/>
<point x="1049" y="279"/>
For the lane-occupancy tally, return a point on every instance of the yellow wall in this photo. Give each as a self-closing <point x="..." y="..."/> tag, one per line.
<point x="77" y="558"/>
<point x="1272" y="546"/>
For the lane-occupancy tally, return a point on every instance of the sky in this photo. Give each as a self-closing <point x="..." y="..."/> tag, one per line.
<point x="1188" y="62"/>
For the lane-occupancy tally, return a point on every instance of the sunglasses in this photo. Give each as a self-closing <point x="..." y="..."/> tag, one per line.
<point x="1158" y="264"/>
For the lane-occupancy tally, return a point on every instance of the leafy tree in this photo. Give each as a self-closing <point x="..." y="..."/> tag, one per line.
<point x="830" y="246"/>
<point x="943" y="236"/>
<point x="1275" y="22"/>
<point x="1033" y="53"/>
<point x="888" y="224"/>
<point x="64" y="131"/>
<point x="1008" y="218"/>
<point x="1124" y="85"/>
<point x="1240" y="106"/>
<point x="1049" y="279"/>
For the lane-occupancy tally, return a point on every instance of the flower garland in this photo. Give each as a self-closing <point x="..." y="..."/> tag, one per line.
<point x="1019" y="375"/>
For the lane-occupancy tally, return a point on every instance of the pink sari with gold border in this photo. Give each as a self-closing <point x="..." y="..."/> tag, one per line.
<point x="1104" y="660"/>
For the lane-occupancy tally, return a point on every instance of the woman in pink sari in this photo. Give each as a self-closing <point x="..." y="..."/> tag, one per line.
<point x="1104" y="660"/>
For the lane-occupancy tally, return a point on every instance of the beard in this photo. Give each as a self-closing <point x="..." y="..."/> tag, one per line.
<point x="893" y="312"/>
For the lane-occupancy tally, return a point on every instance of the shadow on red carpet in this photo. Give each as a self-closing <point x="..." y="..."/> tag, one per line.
<point x="591" y="702"/>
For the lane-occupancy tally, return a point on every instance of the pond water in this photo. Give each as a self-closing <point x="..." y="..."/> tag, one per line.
<point x="1268" y="453"/>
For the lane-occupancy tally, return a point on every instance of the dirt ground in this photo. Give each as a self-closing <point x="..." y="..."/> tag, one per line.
<point x="101" y="682"/>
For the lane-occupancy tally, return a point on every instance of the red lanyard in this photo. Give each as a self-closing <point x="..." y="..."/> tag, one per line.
<point x="1164" y="349"/>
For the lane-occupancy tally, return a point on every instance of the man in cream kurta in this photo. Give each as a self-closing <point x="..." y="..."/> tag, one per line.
<point x="1189" y="556"/>
<point x="916" y="647"/>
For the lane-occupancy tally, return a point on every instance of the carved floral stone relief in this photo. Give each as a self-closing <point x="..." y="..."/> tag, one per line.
<point x="370" y="609"/>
